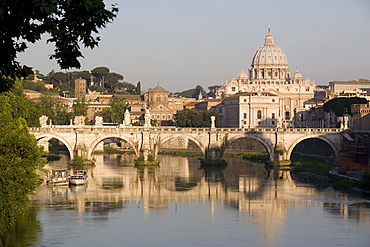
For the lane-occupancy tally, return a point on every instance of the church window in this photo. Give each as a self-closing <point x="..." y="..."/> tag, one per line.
<point x="158" y="116"/>
<point x="259" y="114"/>
<point x="163" y="116"/>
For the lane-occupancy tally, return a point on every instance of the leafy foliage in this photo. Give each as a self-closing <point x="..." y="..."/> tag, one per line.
<point x="114" y="113"/>
<point x="80" y="107"/>
<point x="21" y="106"/>
<point x="56" y="111"/>
<point x="194" y="93"/>
<point x="193" y="118"/>
<point x="68" y="23"/>
<point x="342" y="106"/>
<point x="19" y="157"/>
<point x="302" y="163"/>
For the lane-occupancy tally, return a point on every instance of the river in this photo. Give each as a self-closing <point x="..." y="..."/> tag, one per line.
<point x="181" y="204"/>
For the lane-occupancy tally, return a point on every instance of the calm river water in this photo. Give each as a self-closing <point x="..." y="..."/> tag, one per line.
<point x="180" y="204"/>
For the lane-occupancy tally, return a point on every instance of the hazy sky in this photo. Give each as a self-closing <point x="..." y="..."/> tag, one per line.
<point x="184" y="43"/>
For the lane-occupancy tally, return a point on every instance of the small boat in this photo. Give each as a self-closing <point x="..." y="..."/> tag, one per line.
<point x="80" y="177"/>
<point x="58" y="177"/>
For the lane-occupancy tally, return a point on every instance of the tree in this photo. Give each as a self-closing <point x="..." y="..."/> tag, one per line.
<point x="54" y="109"/>
<point x="69" y="24"/>
<point x="80" y="107"/>
<point x="100" y="73"/>
<point x="112" y="79"/>
<point x="138" y="88"/>
<point x="19" y="158"/>
<point x="213" y="91"/>
<point x="21" y="106"/>
<point x="114" y="113"/>
<point x="342" y="106"/>
<point x="193" y="118"/>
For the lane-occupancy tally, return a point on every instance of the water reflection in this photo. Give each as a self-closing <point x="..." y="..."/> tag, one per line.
<point x="270" y="200"/>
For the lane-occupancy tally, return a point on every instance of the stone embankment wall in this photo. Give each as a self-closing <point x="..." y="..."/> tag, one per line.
<point x="363" y="142"/>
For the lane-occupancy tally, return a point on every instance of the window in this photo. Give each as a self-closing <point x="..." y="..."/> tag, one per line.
<point x="273" y="100"/>
<point x="273" y="122"/>
<point x="233" y="89"/>
<point x="259" y="114"/>
<point x="163" y="116"/>
<point x="273" y="115"/>
<point x="307" y="89"/>
<point x="245" y="100"/>
<point x="169" y="116"/>
<point x="245" y="115"/>
<point x="287" y="115"/>
<point x="158" y="116"/>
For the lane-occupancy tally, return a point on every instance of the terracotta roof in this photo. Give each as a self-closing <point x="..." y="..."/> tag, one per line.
<point x="157" y="89"/>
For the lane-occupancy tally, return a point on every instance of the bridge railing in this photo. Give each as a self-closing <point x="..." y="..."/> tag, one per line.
<point x="111" y="129"/>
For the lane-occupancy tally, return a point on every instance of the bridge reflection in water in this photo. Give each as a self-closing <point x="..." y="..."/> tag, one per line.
<point x="267" y="196"/>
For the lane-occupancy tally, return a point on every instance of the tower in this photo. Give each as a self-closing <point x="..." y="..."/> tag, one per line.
<point x="80" y="88"/>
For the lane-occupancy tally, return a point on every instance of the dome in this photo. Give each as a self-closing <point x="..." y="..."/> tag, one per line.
<point x="269" y="55"/>
<point x="297" y="74"/>
<point x="242" y="75"/>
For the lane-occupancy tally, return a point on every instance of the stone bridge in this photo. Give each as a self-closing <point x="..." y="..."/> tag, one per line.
<point x="83" y="140"/>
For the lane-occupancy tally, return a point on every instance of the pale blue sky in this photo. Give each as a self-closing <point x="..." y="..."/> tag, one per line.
<point x="184" y="43"/>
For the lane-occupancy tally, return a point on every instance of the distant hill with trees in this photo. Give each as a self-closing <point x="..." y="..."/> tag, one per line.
<point x="99" y="79"/>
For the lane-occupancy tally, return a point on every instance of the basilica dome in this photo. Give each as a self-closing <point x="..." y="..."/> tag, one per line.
<point x="269" y="55"/>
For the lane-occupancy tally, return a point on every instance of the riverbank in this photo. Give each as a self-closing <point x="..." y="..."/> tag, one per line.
<point x="317" y="171"/>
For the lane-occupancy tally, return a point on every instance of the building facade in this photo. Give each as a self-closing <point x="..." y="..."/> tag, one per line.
<point x="270" y="72"/>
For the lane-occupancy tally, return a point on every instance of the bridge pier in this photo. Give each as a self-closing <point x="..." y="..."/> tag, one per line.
<point x="45" y="144"/>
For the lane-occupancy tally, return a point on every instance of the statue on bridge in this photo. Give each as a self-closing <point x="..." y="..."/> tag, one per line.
<point x="344" y="122"/>
<point x="99" y="121"/>
<point x="79" y="120"/>
<point x="43" y="121"/>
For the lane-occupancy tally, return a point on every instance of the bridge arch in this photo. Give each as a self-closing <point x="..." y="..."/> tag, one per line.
<point x="101" y="138"/>
<point x="320" y="137"/>
<point x="64" y="141"/>
<point x="269" y="147"/>
<point x="189" y="137"/>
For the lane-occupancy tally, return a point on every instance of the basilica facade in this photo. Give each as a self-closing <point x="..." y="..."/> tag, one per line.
<point x="268" y="77"/>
